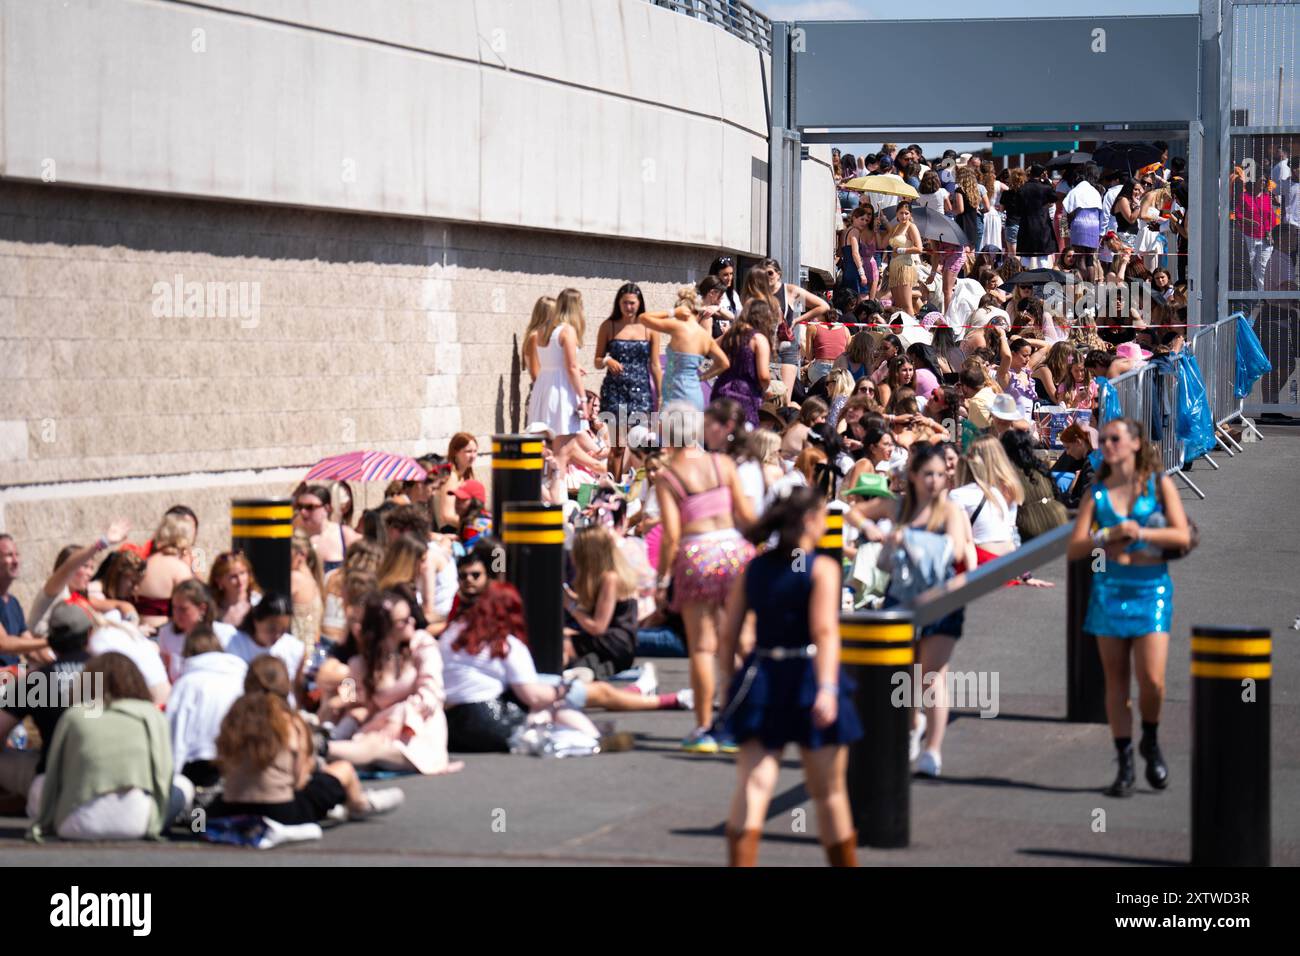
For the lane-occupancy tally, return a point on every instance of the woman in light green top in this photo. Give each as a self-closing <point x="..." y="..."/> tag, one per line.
<point x="108" y="772"/>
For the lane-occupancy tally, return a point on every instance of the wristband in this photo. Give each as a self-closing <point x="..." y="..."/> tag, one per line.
<point x="832" y="688"/>
<point x="101" y="543"/>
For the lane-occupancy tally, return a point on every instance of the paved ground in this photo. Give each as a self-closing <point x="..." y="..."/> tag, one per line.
<point x="1017" y="789"/>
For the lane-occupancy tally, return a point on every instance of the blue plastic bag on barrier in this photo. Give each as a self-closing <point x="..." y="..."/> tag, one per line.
<point x="1108" y="408"/>
<point x="1252" y="363"/>
<point x="1195" y="418"/>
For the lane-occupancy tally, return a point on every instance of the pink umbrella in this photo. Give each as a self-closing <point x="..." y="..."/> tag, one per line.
<point x="367" y="466"/>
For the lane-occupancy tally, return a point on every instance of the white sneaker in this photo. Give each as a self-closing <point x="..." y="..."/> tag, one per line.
<point x="648" y="682"/>
<point x="383" y="800"/>
<point x="914" y="740"/>
<point x="929" y="764"/>
<point x="686" y="699"/>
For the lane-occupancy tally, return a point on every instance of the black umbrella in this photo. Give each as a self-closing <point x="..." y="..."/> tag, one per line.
<point x="1126" y="157"/>
<point x="934" y="226"/>
<point x="1070" y="159"/>
<point x="1039" y="277"/>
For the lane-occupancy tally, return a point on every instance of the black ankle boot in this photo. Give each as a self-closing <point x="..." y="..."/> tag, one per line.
<point x="1126" y="778"/>
<point x="1157" y="772"/>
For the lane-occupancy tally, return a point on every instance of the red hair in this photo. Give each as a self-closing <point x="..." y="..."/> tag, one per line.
<point x="497" y="614"/>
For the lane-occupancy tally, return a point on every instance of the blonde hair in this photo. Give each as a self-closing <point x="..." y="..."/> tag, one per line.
<point x="987" y="465"/>
<point x="595" y="554"/>
<point x="766" y="446"/>
<point x="568" y="311"/>
<point x="969" y="186"/>
<point x="839" y="383"/>
<point x="542" y="317"/>
<point x="174" y="536"/>
<point x="300" y="543"/>
<point x="401" y="562"/>
<point x="688" y="297"/>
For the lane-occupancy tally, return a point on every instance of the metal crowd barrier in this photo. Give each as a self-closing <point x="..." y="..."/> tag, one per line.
<point x="1215" y="348"/>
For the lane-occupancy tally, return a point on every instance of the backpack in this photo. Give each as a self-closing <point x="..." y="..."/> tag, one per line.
<point x="1041" y="512"/>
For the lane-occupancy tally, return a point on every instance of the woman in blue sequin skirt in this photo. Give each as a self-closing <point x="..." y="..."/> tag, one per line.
<point x="1126" y="524"/>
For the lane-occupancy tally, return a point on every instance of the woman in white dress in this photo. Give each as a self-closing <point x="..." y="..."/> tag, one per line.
<point x="557" y="398"/>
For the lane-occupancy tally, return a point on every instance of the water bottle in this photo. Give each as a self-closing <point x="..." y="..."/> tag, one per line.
<point x="18" y="738"/>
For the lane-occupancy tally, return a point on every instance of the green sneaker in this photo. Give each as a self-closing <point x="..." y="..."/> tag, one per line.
<point x="727" y="743"/>
<point x="700" y="742"/>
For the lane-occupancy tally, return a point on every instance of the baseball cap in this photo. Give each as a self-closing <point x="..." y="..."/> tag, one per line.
<point x="69" y="627"/>
<point x="471" y="489"/>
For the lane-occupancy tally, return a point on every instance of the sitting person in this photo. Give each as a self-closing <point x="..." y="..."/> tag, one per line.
<point x="109" y="767"/>
<point x="491" y="681"/>
<point x="269" y="769"/>
<point x="168" y="566"/>
<point x="192" y="606"/>
<point x="68" y="636"/>
<point x="266" y="631"/>
<point x="399" y="694"/>
<point x="603" y="604"/>
<point x="209" y="682"/>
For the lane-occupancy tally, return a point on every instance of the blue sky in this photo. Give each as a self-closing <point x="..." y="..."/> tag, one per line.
<point x="964" y="9"/>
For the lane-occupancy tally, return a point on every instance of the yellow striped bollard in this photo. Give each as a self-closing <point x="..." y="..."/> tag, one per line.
<point x="1232" y="671"/>
<point x="516" y="470"/>
<point x="261" y="528"/>
<point x="877" y="649"/>
<point x="533" y="534"/>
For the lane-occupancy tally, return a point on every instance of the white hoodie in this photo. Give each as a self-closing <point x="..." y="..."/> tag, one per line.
<point x="209" y="684"/>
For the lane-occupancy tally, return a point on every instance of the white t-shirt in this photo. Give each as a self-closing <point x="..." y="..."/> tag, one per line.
<point x="172" y="645"/>
<point x="934" y="200"/>
<point x="1279" y="273"/>
<point x="288" y="649"/>
<point x="996" y="522"/>
<point x="882" y="201"/>
<point x="1290" y="191"/>
<point x="474" y="678"/>
<point x="1281" y="171"/>
<point x="445" y="583"/>
<point x="142" y="651"/>
<point x="1083" y="196"/>
<point x="751" y="479"/>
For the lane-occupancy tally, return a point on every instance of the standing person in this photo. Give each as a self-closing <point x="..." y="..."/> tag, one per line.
<point x="689" y="345"/>
<point x="1037" y="244"/>
<point x="542" y="314"/>
<point x="826" y="338"/>
<point x="629" y="353"/>
<point x="1013" y="208"/>
<point x="15" y="638"/>
<point x="1139" y="517"/>
<point x="853" y="256"/>
<point x="1253" y="215"/>
<point x="701" y="502"/>
<point x="792" y="688"/>
<point x="786" y="294"/>
<point x="989" y="492"/>
<point x="724" y="267"/>
<point x="1086" y="211"/>
<point x="557" y="393"/>
<point x="748" y="352"/>
<point x="902" y="239"/>
<point x="936" y="527"/>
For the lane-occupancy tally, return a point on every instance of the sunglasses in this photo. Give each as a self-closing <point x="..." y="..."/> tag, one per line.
<point x="725" y="261"/>
<point x="307" y="507"/>
<point x="1112" y="439"/>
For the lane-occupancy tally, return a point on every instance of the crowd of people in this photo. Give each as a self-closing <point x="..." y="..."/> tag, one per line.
<point x="695" y="486"/>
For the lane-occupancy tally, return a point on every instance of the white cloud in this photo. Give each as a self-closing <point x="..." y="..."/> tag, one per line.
<point x="814" y="9"/>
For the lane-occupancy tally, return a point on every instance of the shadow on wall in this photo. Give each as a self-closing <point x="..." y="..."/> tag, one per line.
<point x="513" y="390"/>
<point x="69" y="216"/>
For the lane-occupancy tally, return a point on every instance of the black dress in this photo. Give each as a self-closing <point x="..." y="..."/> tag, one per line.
<point x="1037" y="237"/>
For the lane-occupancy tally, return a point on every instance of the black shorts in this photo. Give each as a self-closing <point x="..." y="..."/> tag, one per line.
<point x="322" y="793"/>
<point x="484" y="727"/>
<point x="607" y="655"/>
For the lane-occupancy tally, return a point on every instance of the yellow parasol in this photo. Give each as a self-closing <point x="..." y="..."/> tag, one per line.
<point x="883" y="185"/>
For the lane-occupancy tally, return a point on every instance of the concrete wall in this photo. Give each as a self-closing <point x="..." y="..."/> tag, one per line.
<point x="819" y="213"/>
<point x="370" y="332"/>
<point x="605" y="117"/>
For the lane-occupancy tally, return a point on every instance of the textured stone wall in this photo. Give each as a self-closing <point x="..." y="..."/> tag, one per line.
<point x="368" y="332"/>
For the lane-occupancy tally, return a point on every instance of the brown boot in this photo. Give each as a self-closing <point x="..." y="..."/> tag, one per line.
<point x="844" y="853"/>
<point x="742" y="847"/>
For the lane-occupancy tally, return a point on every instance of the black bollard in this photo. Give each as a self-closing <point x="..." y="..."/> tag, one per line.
<point x="877" y="646"/>
<point x="1232" y="672"/>
<point x="516" y="470"/>
<point x="1085" y="682"/>
<point x="261" y="528"/>
<point x="533" y="534"/>
<point x="832" y="541"/>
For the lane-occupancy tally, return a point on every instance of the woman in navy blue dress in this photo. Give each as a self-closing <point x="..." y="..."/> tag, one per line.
<point x="1132" y="514"/>
<point x="791" y="689"/>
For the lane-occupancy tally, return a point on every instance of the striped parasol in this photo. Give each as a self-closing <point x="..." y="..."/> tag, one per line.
<point x="367" y="466"/>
